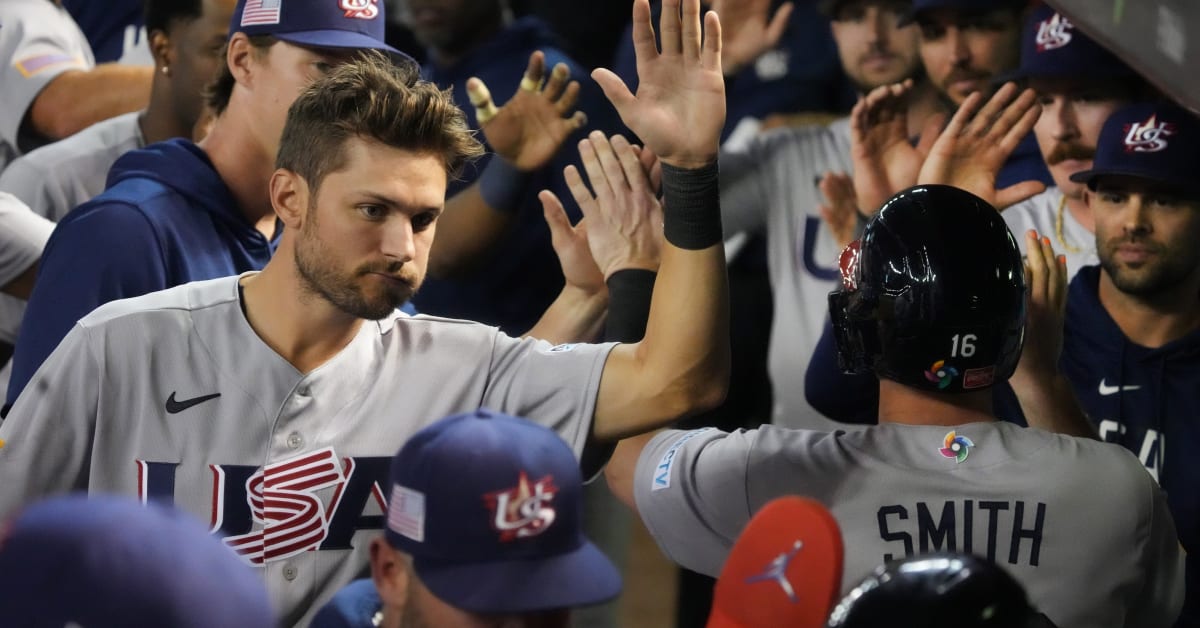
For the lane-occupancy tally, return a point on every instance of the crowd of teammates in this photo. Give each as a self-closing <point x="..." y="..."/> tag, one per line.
<point x="251" y="251"/>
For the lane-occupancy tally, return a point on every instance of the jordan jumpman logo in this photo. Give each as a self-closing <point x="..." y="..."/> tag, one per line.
<point x="777" y="571"/>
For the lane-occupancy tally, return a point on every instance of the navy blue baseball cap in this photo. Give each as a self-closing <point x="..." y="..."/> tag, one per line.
<point x="490" y="508"/>
<point x="315" y="23"/>
<point x="111" y="561"/>
<point x="969" y="6"/>
<point x="1052" y="47"/>
<point x="1159" y="142"/>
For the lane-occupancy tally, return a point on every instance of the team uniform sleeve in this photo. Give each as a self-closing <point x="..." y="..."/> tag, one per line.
<point x="36" y="187"/>
<point x="554" y="385"/>
<point x="691" y="492"/>
<point x="35" y="49"/>
<point x="1162" y="561"/>
<point x="47" y="436"/>
<point x="23" y="235"/>
<point x="101" y="253"/>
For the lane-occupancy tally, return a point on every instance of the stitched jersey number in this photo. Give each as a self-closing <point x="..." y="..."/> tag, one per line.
<point x="965" y="348"/>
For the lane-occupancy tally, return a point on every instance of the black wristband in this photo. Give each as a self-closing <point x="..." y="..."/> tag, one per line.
<point x="692" y="206"/>
<point x="629" y="293"/>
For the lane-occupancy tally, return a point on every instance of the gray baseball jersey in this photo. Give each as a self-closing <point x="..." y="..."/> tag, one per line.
<point x="173" y="396"/>
<point x="771" y="186"/>
<point x="58" y="177"/>
<point x="38" y="41"/>
<point x="23" y="235"/>
<point x="1079" y="522"/>
<point x="1041" y="213"/>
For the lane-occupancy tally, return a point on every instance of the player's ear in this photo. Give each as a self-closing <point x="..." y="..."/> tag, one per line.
<point x="289" y="197"/>
<point x="390" y="572"/>
<point x="162" y="50"/>
<point x="239" y="55"/>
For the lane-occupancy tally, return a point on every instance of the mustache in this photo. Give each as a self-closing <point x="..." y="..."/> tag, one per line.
<point x="967" y="74"/>
<point x="1063" y="152"/>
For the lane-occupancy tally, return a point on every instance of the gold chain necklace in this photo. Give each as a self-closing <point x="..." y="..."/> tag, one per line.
<point x="1058" y="228"/>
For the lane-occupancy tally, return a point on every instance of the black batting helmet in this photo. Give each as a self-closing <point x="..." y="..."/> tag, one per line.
<point x="933" y="294"/>
<point x="944" y="590"/>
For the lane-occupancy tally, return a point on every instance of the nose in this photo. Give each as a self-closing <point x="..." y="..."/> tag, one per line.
<point x="876" y="26"/>
<point x="1062" y="117"/>
<point x="399" y="241"/>
<point x="960" y="53"/>
<point x="1137" y="215"/>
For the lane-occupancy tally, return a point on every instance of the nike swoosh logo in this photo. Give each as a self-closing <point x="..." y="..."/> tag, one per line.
<point x="1106" y="390"/>
<point x="175" y="407"/>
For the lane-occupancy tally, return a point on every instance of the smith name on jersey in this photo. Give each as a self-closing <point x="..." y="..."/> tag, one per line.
<point x="173" y="396"/>
<point x="1049" y="508"/>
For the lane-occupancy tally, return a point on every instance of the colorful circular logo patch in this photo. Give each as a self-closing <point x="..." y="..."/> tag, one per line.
<point x="956" y="447"/>
<point x="941" y="374"/>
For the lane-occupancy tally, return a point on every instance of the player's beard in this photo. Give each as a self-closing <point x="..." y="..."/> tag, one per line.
<point x="321" y="277"/>
<point x="1160" y="274"/>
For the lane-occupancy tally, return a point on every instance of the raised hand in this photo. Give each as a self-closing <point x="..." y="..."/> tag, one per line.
<point x="748" y="31"/>
<point x="623" y="216"/>
<point x="531" y="127"/>
<point x="885" y="161"/>
<point x="840" y="210"/>
<point x="679" y="108"/>
<point x="1046" y="286"/>
<point x="977" y="142"/>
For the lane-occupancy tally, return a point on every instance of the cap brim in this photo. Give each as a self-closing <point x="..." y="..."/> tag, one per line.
<point x="335" y="39"/>
<point x="581" y="577"/>
<point x="1089" y="176"/>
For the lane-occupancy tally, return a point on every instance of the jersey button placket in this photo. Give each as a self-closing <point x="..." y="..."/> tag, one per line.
<point x="295" y="440"/>
<point x="289" y="573"/>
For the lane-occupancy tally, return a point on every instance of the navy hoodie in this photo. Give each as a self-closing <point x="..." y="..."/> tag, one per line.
<point x="165" y="219"/>
<point x="1147" y="400"/>
<point x="513" y="284"/>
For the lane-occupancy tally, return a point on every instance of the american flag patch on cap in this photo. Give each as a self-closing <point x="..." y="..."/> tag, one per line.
<point x="406" y="513"/>
<point x="258" y="12"/>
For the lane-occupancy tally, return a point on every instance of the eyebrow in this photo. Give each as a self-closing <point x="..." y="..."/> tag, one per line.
<point x="392" y="203"/>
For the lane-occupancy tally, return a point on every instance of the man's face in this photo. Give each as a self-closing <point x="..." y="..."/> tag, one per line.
<point x="423" y="609"/>
<point x="1145" y="234"/>
<point x="963" y="51"/>
<point x="873" y="49"/>
<point x="1073" y="112"/>
<point x="451" y="26"/>
<point x="364" y="244"/>
<point x="284" y="71"/>
<point x="199" y="45"/>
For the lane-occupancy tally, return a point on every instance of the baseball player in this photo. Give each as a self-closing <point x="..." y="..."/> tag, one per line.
<point x="1131" y="340"/>
<point x="269" y="404"/>
<point x="934" y="304"/>
<point x="23" y="235"/>
<point x="50" y="85"/>
<point x="944" y="590"/>
<point x="770" y="186"/>
<point x="484" y="526"/>
<point x="1079" y="84"/>
<point x="189" y="38"/>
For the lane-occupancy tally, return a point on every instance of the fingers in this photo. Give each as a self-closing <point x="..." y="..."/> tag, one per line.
<point x="778" y="24"/>
<point x="645" y="48"/>
<point x="579" y="190"/>
<point x="614" y="174"/>
<point x="965" y="114"/>
<point x="1035" y="264"/>
<point x="1017" y="192"/>
<point x="670" y="29"/>
<point x="1018" y="120"/>
<point x="929" y="133"/>
<point x="481" y="99"/>
<point x="601" y="186"/>
<point x="556" y="217"/>
<point x="558" y="81"/>
<point x="1055" y="276"/>
<point x="567" y="100"/>
<point x="535" y="72"/>
<point x="632" y="167"/>
<point x="710" y="56"/>
<point x="691" y="29"/>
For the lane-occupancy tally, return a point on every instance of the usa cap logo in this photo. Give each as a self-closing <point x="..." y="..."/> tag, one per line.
<point x="360" y="9"/>
<point x="1053" y="33"/>
<point x="525" y="510"/>
<point x="1149" y="136"/>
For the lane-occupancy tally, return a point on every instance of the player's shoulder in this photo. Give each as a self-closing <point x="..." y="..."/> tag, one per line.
<point x="177" y="301"/>
<point x="99" y="144"/>
<point x="823" y="137"/>
<point x="1088" y="460"/>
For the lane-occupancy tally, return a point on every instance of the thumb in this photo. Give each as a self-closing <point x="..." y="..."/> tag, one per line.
<point x="617" y="93"/>
<point x="556" y="217"/>
<point x="778" y="24"/>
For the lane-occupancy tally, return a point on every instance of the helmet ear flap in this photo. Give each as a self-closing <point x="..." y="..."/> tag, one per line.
<point x="855" y="336"/>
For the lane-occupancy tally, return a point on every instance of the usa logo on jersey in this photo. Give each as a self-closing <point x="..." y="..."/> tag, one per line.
<point x="1053" y="33"/>
<point x="524" y="510"/>
<point x="1147" y="137"/>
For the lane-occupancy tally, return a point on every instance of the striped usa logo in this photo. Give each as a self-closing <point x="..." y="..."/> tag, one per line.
<point x="261" y="12"/>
